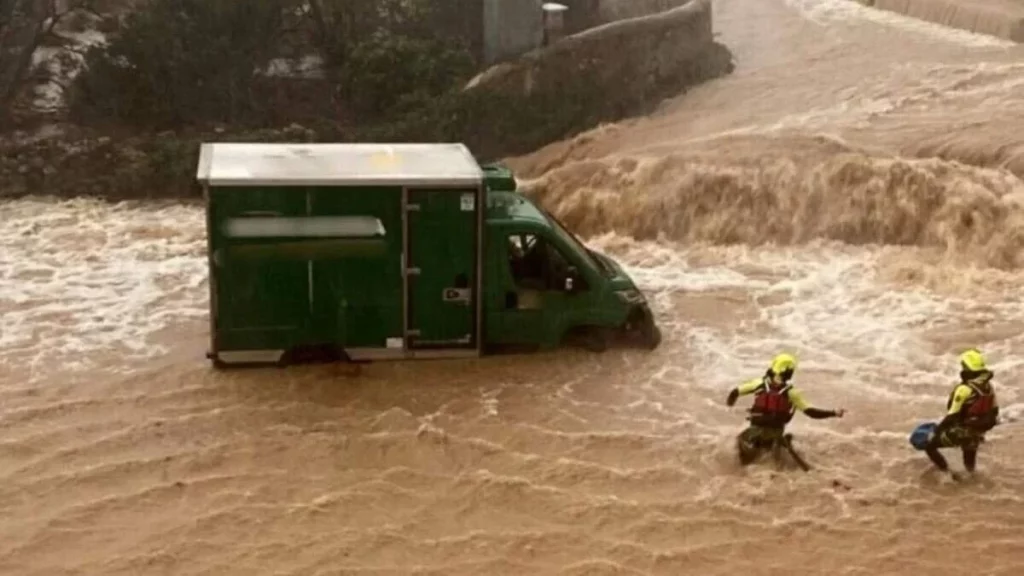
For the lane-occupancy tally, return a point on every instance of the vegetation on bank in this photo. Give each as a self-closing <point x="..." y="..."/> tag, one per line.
<point x="177" y="64"/>
<point x="173" y="73"/>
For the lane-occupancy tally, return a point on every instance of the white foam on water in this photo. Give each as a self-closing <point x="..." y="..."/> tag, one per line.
<point x="826" y="12"/>
<point x="661" y="266"/>
<point x="844" y="324"/>
<point x="83" y="277"/>
<point x="841" y="320"/>
<point x="907" y="87"/>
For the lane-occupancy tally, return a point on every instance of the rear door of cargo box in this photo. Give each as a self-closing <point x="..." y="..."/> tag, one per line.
<point x="442" y="263"/>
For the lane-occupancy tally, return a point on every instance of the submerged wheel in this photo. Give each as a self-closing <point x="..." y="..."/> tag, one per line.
<point x="650" y="335"/>
<point x="643" y="329"/>
<point x="594" y="340"/>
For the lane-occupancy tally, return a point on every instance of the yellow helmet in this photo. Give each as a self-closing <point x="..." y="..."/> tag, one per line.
<point x="784" y="365"/>
<point x="972" y="360"/>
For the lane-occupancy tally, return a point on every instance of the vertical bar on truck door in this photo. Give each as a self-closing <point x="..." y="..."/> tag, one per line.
<point x="212" y="263"/>
<point x="309" y="263"/>
<point x="405" y="265"/>
<point x="481" y="212"/>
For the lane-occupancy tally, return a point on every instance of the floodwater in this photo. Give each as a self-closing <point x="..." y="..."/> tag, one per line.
<point x="853" y="193"/>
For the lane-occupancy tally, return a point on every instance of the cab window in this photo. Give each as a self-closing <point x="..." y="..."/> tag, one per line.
<point x="536" y="264"/>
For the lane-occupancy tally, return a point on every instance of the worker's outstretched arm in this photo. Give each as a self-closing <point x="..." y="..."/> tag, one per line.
<point x="800" y="403"/>
<point x="742" y="390"/>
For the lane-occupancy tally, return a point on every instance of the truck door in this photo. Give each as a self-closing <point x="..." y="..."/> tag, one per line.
<point x="535" y="297"/>
<point x="442" y="240"/>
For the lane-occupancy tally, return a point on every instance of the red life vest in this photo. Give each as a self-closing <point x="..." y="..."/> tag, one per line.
<point x="977" y="410"/>
<point x="980" y="404"/>
<point x="771" y="405"/>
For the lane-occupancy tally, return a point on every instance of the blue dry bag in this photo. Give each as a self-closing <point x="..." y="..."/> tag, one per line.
<point x="919" y="437"/>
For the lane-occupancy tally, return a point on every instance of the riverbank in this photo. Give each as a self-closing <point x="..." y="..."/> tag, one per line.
<point x="620" y="68"/>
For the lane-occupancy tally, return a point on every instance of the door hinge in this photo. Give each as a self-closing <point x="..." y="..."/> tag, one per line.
<point x="412" y="207"/>
<point x="412" y="332"/>
<point x="412" y="271"/>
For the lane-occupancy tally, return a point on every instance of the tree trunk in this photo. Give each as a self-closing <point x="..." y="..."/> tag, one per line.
<point x="24" y="25"/>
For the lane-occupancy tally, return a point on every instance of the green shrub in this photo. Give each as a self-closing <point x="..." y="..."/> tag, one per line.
<point x="180" y="62"/>
<point x="390" y="74"/>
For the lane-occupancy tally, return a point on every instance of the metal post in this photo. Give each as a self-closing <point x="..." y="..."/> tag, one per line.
<point x="405" y="270"/>
<point x="554" y="22"/>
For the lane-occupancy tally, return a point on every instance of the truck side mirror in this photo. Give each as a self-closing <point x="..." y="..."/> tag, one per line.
<point x="571" y="275"/>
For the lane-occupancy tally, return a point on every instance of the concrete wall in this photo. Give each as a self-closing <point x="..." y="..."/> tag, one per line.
<point x="1000" y="18"/>
<point x="511" y="27"/>
<point x="612" y="10"/>
<point x="499" y="30"/>
<point x="494" y="30"/>
<point x="600" y="74"/>
<point x="652" y="46"/>
<point x="585" y="14"/>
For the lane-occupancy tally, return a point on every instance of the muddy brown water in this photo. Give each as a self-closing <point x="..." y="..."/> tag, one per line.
<point x="852" y="194"/>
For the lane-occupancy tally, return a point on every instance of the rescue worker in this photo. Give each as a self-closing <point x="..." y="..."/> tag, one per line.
<point x="971" y="411"/>
<point x="775" y="402"/>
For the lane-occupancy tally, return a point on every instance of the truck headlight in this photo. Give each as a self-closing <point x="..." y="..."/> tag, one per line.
<point x="630" y="296"/>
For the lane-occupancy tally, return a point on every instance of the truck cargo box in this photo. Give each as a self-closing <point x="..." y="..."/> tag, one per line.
<point x="370" y="250"/>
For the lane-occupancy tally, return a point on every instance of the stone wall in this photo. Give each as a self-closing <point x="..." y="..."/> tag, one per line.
<point x="494" y="30"/>
<point x="510" y="27"/>
<point x="653" y="46"/>
<point x="584" y="14"/>
<point x="612" y="10"/>
<point x="1000" y="18"/>
<point x="601" y="74"/>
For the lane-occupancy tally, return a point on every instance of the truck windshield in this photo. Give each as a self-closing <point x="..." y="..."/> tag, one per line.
<point x="574" y="243"/>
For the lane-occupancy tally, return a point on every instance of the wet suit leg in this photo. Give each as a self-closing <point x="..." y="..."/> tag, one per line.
<point x="752" y="442"/>
<point x="970" y="457"/>
<point x="747" y="446"/>
<point x="969" y="445"/>
<point x="956" y="436"/>
<point x="932" y="450"/>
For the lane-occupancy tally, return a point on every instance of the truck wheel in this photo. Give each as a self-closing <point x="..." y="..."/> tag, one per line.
<point x="650" y="335"/>
<point x="595" y="340"/>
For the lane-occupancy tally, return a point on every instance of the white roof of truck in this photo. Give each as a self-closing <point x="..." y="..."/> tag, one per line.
<point x="264" y="164"/>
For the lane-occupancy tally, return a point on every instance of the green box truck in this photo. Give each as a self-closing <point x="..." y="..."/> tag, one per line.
<point x="390" y="251"/>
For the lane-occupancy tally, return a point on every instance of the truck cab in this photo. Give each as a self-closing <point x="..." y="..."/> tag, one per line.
<point x="545" y="287"/>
